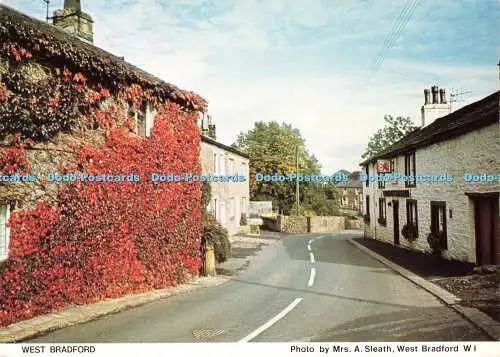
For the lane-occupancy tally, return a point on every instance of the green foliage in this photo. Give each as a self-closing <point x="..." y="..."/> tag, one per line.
<point x="272" y="149"/>
<point x="410" y="232"/>
<point x="394" y="130"/>
<point x="215" y="234"/>
<point x="437" y="242"/>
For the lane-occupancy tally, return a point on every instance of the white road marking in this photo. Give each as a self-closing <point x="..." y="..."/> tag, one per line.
<point x="311" y="277"/>
<point x="272" y="321"/>
<point x="309" y="247"/>
<point x="311" y="255"/>
<point x="311" y="240"/>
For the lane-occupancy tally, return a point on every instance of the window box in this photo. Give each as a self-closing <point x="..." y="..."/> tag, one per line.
<point x="382" y="221"/>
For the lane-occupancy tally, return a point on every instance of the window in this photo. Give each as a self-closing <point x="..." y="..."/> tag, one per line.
<point x="231" y="168"/>
<point x="222" y="164"/>
<point x="216" y="171"/>
<point x="438" y="218"/>
<point x="4" y="231"/>
<point x="144" y="120"/>
<point x="410" y="169"/>
<point x="215" y="208"/>
<point x="382" y="211"/>
<point x="367" y="213"/>
<point x="411" y="212"/>
<point x="394" y="165"/>
<point x="367" y="172"/>
<point x="381" y="184"/>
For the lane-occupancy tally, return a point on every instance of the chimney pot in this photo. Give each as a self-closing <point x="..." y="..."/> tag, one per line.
<point x="435" y="95"/>
<point x="427" y="96"/>
<point x="442" y="93"/>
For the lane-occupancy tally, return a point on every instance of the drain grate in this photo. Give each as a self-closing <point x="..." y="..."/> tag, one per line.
<point x="206" y="334"/>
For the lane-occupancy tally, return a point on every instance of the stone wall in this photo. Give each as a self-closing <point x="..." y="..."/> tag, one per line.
<point x="326" y="224"/>
<point x="272" y="223"/>
<point x="293" y="224"/>
<point x="256" y="208"/>
<point x="318" y="224"/>
<point x="353" y="223"/>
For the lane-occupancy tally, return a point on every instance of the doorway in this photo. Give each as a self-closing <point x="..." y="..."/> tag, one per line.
<point x="395" y="219"/>
<point x="486" y="223"/>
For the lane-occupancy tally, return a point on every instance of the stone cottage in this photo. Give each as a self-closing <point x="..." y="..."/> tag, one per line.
<point x="451" y="206"/>
<point x="102" y="127"/>
<point x="350" y="194"/>
<point x="229" y="201"/>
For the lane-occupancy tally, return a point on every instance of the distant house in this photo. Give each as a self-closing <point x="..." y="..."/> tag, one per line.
<point x="462" y="214"/>
<point x="229" y="201"/>
<point x="350" y="193"/>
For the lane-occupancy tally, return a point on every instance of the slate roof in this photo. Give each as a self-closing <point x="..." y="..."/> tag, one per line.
<point x="53" y="45"/>
<point x="236" y="151"/>
<point x="471" y="117"/>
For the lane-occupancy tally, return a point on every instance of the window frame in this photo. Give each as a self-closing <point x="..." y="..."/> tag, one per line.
<point x="367" y="206"/>
<point x="5" y="210"/>
<point x="381" y="183"/>
<point x="436" y="207"/>
<point x="144" y="120"/>
<point x="216" y="163"/>
<point x="409" y="213"/>
<point x="382" y="211"/>
<point x="411" y="168"/>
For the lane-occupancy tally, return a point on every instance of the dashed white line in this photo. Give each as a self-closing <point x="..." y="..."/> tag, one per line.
<point x="309" y="247"/>
<point x="310" y="241"/>
<point x="311" y="255"/>
<point x="272" y="321"/>
<point x="311" y="277"/>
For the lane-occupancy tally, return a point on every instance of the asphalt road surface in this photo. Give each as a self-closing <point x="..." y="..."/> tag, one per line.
<point x="313" y="287"/>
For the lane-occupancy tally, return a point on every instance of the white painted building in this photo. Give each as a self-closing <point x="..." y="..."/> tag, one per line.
<point x="465" y="141"/>
<point x="229" y="200"/>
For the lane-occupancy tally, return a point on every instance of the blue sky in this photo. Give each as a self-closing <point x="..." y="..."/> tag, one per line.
<point x="311" y="63"/>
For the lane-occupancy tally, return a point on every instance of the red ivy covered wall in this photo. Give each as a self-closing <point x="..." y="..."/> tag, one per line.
<point x="102" y="239"/>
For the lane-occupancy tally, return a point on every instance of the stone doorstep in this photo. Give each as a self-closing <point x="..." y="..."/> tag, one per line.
<point x="475" y="316"/>
<point x="84" y="313"/>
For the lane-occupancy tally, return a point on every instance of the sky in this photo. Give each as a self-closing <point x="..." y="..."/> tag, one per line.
<point x="332" y="69"/>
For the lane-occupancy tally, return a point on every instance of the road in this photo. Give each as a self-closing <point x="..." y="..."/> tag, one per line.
<point x="314" y="287"/>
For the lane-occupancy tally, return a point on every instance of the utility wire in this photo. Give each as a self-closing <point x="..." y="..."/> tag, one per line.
<point x="398" y="27"/>
<point x="389" y="35"/>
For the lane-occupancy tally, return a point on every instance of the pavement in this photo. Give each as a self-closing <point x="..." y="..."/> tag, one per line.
<point x="301" y="288"/>
<point x="406" y="262"/>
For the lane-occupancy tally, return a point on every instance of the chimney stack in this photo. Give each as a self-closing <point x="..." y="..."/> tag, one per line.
<point x="437" y="108"/>
<point x="72" y="20"/>
<point x="211" y="128"/>
<point x="435" y="94"/>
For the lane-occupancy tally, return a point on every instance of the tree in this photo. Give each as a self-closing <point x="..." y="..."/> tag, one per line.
<point x="272" y="149"/>
<point x="394" y="130"/>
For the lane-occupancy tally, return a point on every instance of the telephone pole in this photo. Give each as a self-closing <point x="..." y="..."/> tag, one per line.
<point x="297" y="182"/>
